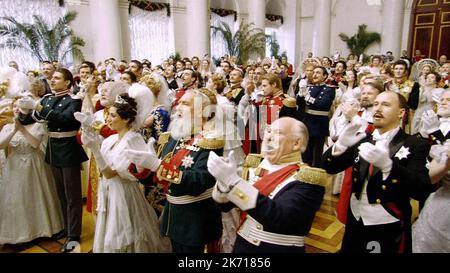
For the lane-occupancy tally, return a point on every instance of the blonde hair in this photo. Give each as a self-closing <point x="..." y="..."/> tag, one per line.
<point x="152" y="83"/>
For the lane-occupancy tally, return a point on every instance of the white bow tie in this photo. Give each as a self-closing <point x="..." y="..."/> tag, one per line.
<point x="378" y="137"/>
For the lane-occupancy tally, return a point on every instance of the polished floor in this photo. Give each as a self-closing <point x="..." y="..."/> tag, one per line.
<point x="325" y="235"/>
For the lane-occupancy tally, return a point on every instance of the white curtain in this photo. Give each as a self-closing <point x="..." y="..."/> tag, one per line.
<point x="149" y="33"/>
<point x="23" y="11"/>
<point x="218" y="45"/>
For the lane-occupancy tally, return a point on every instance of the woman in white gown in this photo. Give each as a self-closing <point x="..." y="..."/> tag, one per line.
<point x="29" y="205"/>
<point x="431" y="231"/>
<point x="125" y="220"/>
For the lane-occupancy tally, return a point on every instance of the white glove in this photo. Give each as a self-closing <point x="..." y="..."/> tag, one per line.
<point x="309" y="99"/>
<point x="350" y="136"/>
<point x="27" y="103"/>
<point x="86" y="119"/>
<point x="90" y="140"/>
<point x="440" y="152"/>
<point x="377" y="156"/>
<point x="224" y="170"/>
<point x="146" y="159"/>
<point x="430" y="123"/>
<point x="151" y="145"/>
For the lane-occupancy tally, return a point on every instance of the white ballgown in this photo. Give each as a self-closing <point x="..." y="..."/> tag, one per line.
<point x="431" y="232"/>
<point x="125" y="220"/>
<point x="29" y="204"/>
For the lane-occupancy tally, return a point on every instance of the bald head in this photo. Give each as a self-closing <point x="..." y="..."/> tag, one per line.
<point x="283" y="137"/>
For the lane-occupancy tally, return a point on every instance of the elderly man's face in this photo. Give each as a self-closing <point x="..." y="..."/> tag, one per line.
<point x="444" y="105"/>
<point x="278" y="141"/>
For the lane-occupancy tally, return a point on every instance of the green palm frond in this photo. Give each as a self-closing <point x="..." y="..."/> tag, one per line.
<point x="44" y="41"/>
<point x="358" y="43"/>
<point x="245" y="42"/>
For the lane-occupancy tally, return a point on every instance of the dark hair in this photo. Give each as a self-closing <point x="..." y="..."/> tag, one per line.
<point x="402" y="62"/>
<point x="139" y="64"/>
<point x="91" y="65"/>
<point x="132" y="76"/>
<point x="67" y="75"/>
<point x="438" y="77"/>
<point x="127" y="108"/>
<point x="324" y="70"/>
<point x="343" y="63"/>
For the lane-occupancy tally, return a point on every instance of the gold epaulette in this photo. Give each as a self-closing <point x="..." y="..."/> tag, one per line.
<point x="163" y="138"/>
<point x="210" y="143"/>
<point x="314" y="176"/>
<point x="236" y="92"/>
<point x="253" y="160"/>
<point x="290" y="102"/>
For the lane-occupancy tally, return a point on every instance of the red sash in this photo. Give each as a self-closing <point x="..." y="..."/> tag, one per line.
<point x="269" y="182"/>
<point x="170" y="169"/>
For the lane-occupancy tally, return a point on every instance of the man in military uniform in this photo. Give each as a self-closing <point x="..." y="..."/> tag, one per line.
<point x="63" y="153"/>
<point x="388" y="169"/>
<point x="279" y="195"/>
<point x="191" y="80"/>
<point x="408" y="89"/>
<point x="190" y="218"/>
<point x="235" y="91"/>
<point x="316" y="100"/>
<point x="270" y="104"/>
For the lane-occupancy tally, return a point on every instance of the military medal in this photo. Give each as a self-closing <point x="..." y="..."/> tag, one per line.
<point x="188" y="161"/>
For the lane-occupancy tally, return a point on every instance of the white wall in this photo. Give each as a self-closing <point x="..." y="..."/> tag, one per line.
<point x="346" y="16"/>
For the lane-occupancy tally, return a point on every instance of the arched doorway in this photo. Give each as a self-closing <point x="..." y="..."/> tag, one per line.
<point x="430" y="28"/>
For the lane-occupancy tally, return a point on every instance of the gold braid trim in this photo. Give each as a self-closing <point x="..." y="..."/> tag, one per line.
<point x="290" y="102"/>
<point x="210" y="143"/>
<point x="314" y="176"/>
<point x="162" y="141"/>
<point x="253" y="160"/>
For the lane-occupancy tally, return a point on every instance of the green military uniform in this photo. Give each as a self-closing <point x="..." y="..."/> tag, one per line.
<point x="190" y="217"/>
<point x="64" y="154"/>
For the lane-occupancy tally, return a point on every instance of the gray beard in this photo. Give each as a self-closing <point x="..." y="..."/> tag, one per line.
<point x="180" y="128"/>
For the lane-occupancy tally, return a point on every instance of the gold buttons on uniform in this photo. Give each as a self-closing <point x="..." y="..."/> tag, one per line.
<point x="255" y="241"/>
<point x="383" y="187"/>
<point x="259" y="227"/>
<point x="394" y="181"/>
<point x="378" y="201"/>
<point x="329" y="159"/>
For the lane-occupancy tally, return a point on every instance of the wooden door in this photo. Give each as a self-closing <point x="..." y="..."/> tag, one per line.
<point x="430" y="28"/>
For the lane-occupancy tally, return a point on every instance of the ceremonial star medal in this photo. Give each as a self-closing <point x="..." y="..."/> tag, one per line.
<point x="402" y="153"/>
<point x="187" y="161"/>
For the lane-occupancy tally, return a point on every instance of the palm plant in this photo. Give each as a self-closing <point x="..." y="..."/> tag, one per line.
<point x="359" y="42"/>
<point x="43" y="41"/>
<point x="244" y="43"/>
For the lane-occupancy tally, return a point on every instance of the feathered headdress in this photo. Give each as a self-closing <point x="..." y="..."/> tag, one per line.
<point x="144" y="99"/>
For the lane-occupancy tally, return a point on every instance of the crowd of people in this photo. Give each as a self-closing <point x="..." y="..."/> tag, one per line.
<point x="191" y="156"/>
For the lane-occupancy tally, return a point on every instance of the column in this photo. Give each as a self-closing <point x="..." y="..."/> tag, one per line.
<point x="292" y="28"/>
<point x="197" y="27"/>
<point x="257" y="13"/>
<point x="393" y="17"/>
<point x="322" y="26"/>
<point x="106" y="26"/>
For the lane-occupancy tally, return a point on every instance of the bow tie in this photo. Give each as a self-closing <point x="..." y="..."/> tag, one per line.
<point x="378" y="137"/>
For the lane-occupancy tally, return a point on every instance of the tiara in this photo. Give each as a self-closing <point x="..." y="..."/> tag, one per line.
<point x="120" y="100"/>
